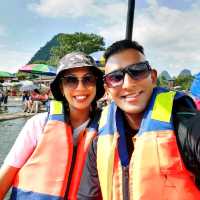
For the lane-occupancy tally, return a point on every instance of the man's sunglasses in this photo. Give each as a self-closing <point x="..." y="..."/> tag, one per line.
<point x="136" y="71"/>
<point x="72" y="81"/>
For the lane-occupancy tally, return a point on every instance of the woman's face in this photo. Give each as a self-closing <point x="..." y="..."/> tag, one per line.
<point x="79" y="87"/>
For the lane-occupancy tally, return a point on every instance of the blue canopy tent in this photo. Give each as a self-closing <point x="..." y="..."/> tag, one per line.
<point x="98" y="57"/>
<point x="195" y="87"/>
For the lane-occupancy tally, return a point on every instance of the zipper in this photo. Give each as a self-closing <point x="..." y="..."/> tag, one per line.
<point x="125" y="182"/>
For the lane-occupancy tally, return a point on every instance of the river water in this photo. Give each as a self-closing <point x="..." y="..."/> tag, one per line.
<point x="9" y="130"/>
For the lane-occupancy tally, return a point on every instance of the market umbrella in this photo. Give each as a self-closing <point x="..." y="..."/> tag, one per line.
<point x="4" y="74"/>
<point x="41" y="69"/>
<point x="28" y="86"/>
<point x="98" y="57"/>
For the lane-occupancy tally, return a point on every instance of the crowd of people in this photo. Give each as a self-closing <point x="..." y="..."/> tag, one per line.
<point x="33" y="100"/>
<point x="144" y="144"/>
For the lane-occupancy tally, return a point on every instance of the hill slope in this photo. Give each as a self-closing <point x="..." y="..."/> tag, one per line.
<point x="44" y="53"/>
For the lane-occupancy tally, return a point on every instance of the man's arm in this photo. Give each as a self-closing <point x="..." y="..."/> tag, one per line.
<point x="89" y="188"/>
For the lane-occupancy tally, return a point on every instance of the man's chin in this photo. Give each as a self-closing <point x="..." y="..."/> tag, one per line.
<point x="132" y="109"/>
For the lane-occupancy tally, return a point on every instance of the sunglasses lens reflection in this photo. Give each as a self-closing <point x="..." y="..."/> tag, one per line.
<point x="72" y="81"/>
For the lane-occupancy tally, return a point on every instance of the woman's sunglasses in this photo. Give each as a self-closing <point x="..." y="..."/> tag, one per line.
<point x="136" y="71"/>
<point x="72" y="81"/>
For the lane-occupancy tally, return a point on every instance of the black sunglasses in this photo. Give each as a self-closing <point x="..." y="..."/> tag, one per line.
<point x="136" y="71"/>
<point x="72" y="81"/>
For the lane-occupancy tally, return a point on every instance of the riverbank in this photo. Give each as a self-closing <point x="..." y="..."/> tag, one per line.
<point x="13" y="110"/>
<point x="10" y="116"/>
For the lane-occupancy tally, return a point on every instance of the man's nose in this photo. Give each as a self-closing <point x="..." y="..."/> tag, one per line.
<point x="128" y="81"/>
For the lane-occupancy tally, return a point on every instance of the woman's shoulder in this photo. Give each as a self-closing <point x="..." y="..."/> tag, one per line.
<point x="39" y="120"/>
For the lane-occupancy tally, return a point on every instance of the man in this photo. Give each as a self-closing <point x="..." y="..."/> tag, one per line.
<point x="148" y="139"/>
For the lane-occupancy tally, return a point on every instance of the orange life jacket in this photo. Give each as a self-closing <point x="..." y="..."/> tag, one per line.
<point x="156" y="170"/>
<point x="45" y="174"/>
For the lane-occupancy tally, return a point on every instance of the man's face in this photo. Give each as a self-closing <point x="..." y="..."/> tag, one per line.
<point x="133" y="95"/>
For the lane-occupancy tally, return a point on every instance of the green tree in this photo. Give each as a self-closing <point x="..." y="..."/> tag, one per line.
<point x="39" y="62"/>
<point x="162" y="81"/>
<point x="84" y="42"/>
<point x="184" y="81"/>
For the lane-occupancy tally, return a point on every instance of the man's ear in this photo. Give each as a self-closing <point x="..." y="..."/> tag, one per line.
<point x="106" y="89"/>
<point x="107" y="92"/>
<point x="154" y="77"/>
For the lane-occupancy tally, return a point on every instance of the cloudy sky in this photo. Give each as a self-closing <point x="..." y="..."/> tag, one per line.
<point x="168" y="29"/>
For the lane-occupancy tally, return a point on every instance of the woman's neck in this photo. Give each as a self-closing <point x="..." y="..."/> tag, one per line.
<point x="77" y="117"/>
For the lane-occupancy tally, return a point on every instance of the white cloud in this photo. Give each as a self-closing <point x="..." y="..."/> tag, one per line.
<point x="13" y="59"/>
<point x="113" y="33"/>
<point x="170" y="36"/>
<point x="63" y="8"/>
<point x="78" y="8"/>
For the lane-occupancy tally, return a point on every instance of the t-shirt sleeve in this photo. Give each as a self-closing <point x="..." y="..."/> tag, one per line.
<point x="26" y="141"/>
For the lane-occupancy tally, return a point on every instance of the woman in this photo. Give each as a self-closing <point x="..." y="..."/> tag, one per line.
<point x="47" y="159"/>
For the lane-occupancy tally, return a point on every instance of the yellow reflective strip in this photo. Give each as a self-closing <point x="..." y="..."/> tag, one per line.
<point x="163" y="106"/>
<point x="56" y="107"/>
<point x="103" y="118"/>
<point x="102" y="60"/>
<point x="105" y="163"/>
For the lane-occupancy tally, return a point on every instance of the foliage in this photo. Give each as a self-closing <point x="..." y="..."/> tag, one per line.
<point x="25" y="76"/>
<point x="87" y="43"/>
<point x="39" y="62"/>
<point x="21" y="75"/>
<point x="65" y="43"/>
<point x="162" y="81"/>
<point x="184" y="81"/>
<point x="43" y="54"/>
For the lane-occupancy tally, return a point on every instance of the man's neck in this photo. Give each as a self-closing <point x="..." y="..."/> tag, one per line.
<point x="134" y="120"/>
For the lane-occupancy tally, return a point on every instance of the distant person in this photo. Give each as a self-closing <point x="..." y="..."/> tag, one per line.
<point x="5" y="97"/>
<point x="32" y="101"/>
<point x="47" y="159"/>
<point x="25" y="100"/>
<point x="148" y="144"/>
<point x="35" y="101"/>
<point x="25" y="96"/>
<point x="1" y="97"/>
